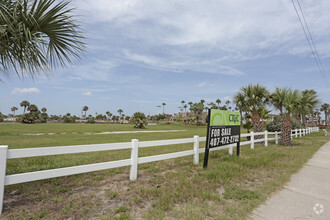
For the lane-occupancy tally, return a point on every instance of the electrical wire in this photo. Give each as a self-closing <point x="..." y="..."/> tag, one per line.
<point x="311" y="43"/>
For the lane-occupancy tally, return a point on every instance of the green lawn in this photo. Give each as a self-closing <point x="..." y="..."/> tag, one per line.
<point x="230" y="188"/>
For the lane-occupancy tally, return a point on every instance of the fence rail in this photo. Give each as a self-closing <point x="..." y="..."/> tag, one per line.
<point x="133" y="162"/>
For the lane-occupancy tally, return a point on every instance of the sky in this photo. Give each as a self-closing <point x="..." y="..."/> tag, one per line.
<point x="142" y="53"/>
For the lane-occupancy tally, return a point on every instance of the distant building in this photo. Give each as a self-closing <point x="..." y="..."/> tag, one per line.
<point x="10" y="119"/>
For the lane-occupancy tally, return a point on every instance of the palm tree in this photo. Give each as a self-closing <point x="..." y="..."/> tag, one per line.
<point x="185" y="108"/>
<point x="85" y="109"/>
<point x="33" y="108"/>
<point x="163" y="104"/>
<point x="120" y="111"/>
<point x="239" y="100"/>
<point x="108" y="114"/>
<point x="277" y="98"/>
<point x="182" y="102"/>
<point x="44" y="110"/>
<point x="310" y="101"/>
<point x="25" y="104"/>
<point x="13" y="109"/>
<point x="256" y="97"/>
<point x="291" y="103"/>
<point x="218" y="101"/>
<point x="326" y="108"/>
<point x="37" y="35"/>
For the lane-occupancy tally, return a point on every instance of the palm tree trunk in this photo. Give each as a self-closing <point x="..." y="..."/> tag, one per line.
<point x="286" y="132"/>
<point x="257" y="124"/>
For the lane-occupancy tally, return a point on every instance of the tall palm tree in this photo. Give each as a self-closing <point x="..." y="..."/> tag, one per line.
<point x="43" y="110"/>
<point x="182" y="102"/>
<point x="85" y="109"/>
<point x="291" y="103"/>
<point x="25" y="104"/>
<point x="239" y="101"/>
<point x="13" y="109"/>
<point x="163" y="104"/>
<point x="277" y="98"/>
<point x="120" y="111"/>
<point x="326" y="108"/>
<point x="37" y="35"/>
<point x="218" y="101"/>
<point x="185" y="108"/>
<point x="256" y="97"/>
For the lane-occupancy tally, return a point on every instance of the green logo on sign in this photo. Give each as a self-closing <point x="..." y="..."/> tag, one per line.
<point x="223" y="118"/>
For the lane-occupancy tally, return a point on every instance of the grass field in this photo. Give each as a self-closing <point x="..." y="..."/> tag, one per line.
<point x="230" y="188"/>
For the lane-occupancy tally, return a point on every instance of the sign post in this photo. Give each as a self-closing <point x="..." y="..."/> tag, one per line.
<point x="223" y="129"/>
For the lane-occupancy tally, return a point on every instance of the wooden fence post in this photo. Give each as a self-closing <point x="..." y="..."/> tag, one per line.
<point x="296" y="132"/>
<point x="266" y="138"/>
<point x="252" y="140"/>
<point x="196" y="149"/>
<point x="3" y="162"/>
<point x="134" y="158"/>
<point x="300" y="132"/>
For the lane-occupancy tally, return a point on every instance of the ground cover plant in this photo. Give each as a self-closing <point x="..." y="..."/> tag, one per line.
<point x="230" y="188"/>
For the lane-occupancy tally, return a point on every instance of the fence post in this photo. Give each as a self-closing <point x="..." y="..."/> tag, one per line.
<point x="3" y="162"/>
<point x="266" y="138"/>
<point x="276" y="137"/>
<point x="230" y="150"/>
<point x="196" y="149"/>
<point x="252" y="140"/>
<point x="300" y="132"/>
<point x="134" y="159"/>
<point x="296" y="132"/>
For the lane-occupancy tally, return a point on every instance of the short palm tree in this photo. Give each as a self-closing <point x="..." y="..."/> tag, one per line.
<point x="37" y="35"/>
<point x="277" y="98"/>
<point x="308" y="104"/>
<point x="43" y="110"/>
<point x="33" y="108"/>
<point x="25" y="104"/>
<point x="256" y="97"/>
<point x="291" y="103"/>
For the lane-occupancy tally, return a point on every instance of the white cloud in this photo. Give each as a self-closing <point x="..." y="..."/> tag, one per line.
<point x="227" y="25"/>
<point x="202" y="84"/>
<point x="87" y="93"/>
<point x="25" y="90"/>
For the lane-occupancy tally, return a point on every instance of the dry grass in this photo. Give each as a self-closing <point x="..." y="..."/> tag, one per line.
<point x="230" y="188"/>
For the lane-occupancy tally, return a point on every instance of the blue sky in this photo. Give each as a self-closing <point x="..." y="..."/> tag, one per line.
<point x="142" y="53"/>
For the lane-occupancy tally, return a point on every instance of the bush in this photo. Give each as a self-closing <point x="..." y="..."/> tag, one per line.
<point x="276" y="124"/>
<point x="30" y="118"/>
<point x="1" y="117"/>
<point x="139" y="120"/>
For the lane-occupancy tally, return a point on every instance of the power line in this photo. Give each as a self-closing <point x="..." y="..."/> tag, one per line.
<point x="311" y="43"/>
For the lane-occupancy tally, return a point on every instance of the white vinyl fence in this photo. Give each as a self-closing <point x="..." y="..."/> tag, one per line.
<point x="133" y="162"/>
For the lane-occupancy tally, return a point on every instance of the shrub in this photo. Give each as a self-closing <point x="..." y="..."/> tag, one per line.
<point x="30" y="118"/>
<point x="139" y="120"/>
<point x="276" y="124"/>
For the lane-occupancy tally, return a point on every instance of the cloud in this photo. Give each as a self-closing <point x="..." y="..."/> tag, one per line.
<point x="229" y="26"/>
<point x="26" y="91"/>
<point x="86" y="93"/>
<point x="184" y="65"/>
<point x="202" y="84"/>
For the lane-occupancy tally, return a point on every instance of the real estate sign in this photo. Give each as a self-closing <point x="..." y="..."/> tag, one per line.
<point x="223" y="129"/>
